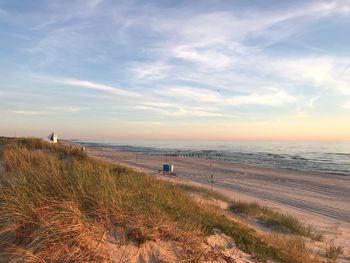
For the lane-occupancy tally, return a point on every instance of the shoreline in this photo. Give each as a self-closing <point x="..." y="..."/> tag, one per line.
<point x="307" y="161"/>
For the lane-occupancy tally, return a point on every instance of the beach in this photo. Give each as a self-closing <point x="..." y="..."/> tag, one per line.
<point x="317" y="199"/>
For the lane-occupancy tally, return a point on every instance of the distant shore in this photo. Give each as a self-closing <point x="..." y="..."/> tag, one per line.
<point x="318" y="200"/>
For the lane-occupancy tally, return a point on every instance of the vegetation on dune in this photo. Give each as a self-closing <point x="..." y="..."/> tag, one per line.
<point x="205" y="192"/>
<point x="294" y="245"/>
<point x="333" y="252"/>
<point x="279" y="221"/>
<point x="57" y="204"/>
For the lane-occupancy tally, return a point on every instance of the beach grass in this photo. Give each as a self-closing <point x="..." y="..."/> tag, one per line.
<point x="333" y="252"/>
<point x="57" y="204"/>
<point x="278" y="221"/>
<point x="205" y="192"/>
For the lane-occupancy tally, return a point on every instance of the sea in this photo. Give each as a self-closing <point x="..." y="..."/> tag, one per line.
<point x="331" y="158"/>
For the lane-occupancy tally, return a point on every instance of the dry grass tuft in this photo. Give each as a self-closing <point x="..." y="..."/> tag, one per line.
<point x="333" y="252"/>
<point x="295" y="247"/>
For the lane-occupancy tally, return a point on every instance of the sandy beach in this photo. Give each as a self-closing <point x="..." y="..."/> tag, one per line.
<point x="317" y="199"/>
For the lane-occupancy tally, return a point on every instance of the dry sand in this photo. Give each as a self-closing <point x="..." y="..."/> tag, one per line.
<point x="217" y="248"/>
<point x="317" y="199"/>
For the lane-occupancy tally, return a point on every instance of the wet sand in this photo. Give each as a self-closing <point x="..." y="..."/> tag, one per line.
<point x="320" y="200"/>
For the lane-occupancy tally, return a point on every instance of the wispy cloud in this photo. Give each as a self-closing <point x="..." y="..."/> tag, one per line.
<point x="101" y="87"/>
<point x="65" y="109"/>
<point x="28" y="112"/>
<point x="324" y="72"/>
<point x="217" y="49"/>
<point x="274" y="98"/>
<point x="153" y="71"/>
<point x="189" y="93"/>
<point x="49" y="110"/>
<point x="192" y="112"/>
<point x="268" y="97"/>
<point x="313" y="100"/>
<point x="209" y="58"/>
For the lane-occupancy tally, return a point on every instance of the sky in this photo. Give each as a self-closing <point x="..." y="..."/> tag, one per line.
<point x="187" y="70"/>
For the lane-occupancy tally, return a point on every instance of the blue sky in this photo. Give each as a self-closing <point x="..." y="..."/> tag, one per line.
<point x="100" y="69"/>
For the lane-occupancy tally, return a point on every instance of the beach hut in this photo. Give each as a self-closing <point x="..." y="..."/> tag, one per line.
<point x="168" y="168"/>
<point x="52" y="137"/>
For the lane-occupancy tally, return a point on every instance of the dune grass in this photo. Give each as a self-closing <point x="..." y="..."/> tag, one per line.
<point x="278" y="221"/>
<point x="205" y="192"/>
<point x="57" y="204"/>
<point x="294" y="246"/>
<point x="333" y="252"/>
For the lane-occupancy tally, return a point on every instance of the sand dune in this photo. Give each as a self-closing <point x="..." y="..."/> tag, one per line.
<point x="317" y="199"/>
